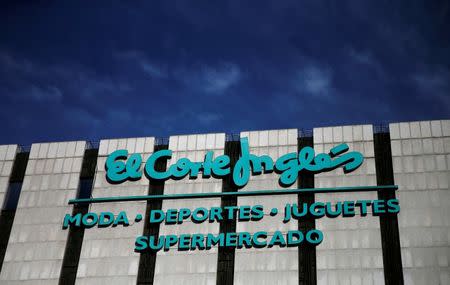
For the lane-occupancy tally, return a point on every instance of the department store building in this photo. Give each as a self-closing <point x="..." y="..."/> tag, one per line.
<point x="42" y="185"/>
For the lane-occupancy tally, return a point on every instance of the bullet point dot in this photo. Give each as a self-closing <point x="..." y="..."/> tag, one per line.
<point x="274" y="212"/>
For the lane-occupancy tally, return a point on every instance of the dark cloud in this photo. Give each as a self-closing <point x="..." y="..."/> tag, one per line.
<point x="100" y="70"/>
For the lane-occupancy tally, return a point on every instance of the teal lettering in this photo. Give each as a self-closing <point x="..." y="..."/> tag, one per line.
<point x="207" y="164"/>
<point x="198" y="241"/>
<point x="244" y="213"/>
<point x="106" y="219"/>
<point x="214" y="240"/>
<point x="256" y="239"/>
<point x="257" y="212"/>
<point x="333" y="213"/>
<point x="378" y="207"/>
<point x="277" y="239"/>
<point x="349" y="209"/>
<point x="200" y="215"/>
<point x="89" y="220"/>
<point x="393" y="206"/>
<point x="119" y="168"/>
<point x="317" y="209"/>
<point x="294" y="238"/>
<point x="72" y="220"/>
<point x="156" y="243"/>
<point x="220" y="164"/>
<point x="363" y="206"/>
<point x="289" y="168"/>
<point x="169" y="241"/>
<point x="181" y="168"/>
<point x="230" y="239"/>
<point x="183" y="214"/>
<point x="171" y="216"/>
<point x="156" y="216"/>
<point x="314" y="237"/>
<point x="244" y="239"/>
<point x="121" y="219"/>
<point x="117" y="171"/>
<point x="140" y="243"/>
<point x="183" y="243"/>
<point x="150" y="165"/>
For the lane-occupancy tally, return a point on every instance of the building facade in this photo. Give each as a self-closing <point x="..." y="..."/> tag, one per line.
<point x="409" y="247"/>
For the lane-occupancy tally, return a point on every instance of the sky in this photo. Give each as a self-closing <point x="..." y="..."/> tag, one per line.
<point x="87" y="70"/>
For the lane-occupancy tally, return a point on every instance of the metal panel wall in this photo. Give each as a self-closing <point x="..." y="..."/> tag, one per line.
<point x="351" y="250"/>
<point x="107" y="254"/>
<point x="37" y="241"/>
<point x="190" y="267"/>
<point x="421" y="160"/>
<point x="268" y="265"/>
<point x="7" y="156"/>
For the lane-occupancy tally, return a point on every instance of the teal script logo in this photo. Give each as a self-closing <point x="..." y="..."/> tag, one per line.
<point x="119" y="167"/>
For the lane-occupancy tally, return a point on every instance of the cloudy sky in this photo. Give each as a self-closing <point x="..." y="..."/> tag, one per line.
<point x="158" y="68"/>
